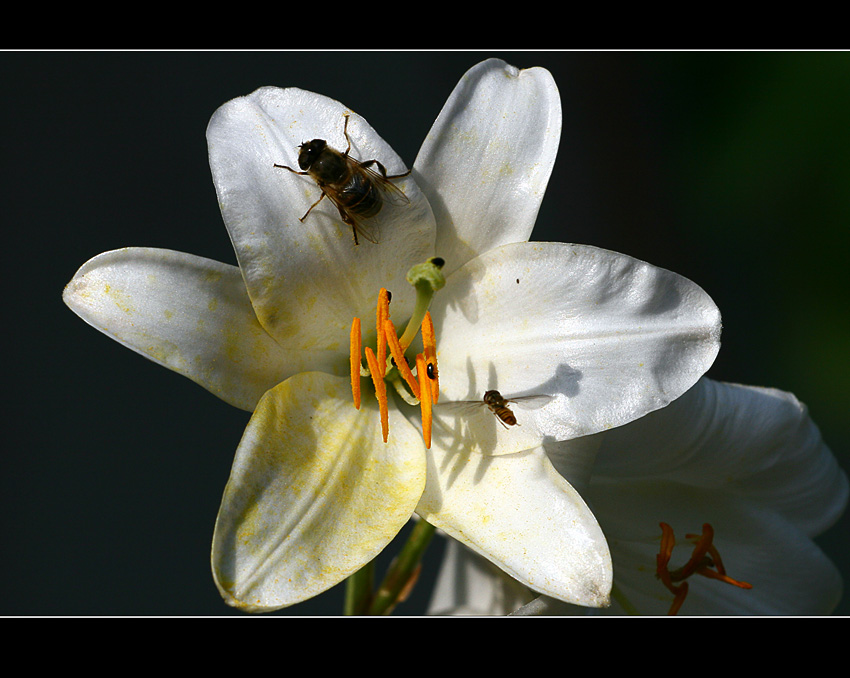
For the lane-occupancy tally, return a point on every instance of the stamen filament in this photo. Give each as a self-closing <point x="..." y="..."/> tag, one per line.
<point x="698" y="555"/>
<point x="404" y="391"/>
<point x="715" y="556"/>
<point x="354" y="359"/>
<point x="398" y="356"/>
<point x="681" y="594"/>
<point x="424" y="398"/>
<point x="380" y="391"/>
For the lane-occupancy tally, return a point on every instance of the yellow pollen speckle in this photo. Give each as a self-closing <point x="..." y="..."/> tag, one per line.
<point x="121" y="299"/>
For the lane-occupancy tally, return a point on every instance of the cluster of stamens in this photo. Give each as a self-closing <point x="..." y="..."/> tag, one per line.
<point x="423" y="387"/>
<point x="705" y="560"/>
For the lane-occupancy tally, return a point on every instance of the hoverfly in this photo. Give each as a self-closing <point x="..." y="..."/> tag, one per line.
<point x="357" y="191"/>
<point x="499" y="405"/>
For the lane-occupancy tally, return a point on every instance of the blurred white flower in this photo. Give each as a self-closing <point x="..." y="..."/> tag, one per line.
<point x="747" y="461"/>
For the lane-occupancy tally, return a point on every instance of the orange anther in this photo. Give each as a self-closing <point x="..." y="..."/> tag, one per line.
<point x="429" y="343"/>
<point x="354" y="359"/>
<point x="424" y="398"/>
<point x="398" y="356"/>
<point x="382" y="313"/>
<point x="380" y="391"/>
<point x="424" y="385"/>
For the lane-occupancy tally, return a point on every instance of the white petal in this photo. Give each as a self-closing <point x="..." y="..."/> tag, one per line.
<point x="545" y="606"/>
<point x="308" y="279"/>
<point x="486" y="161"/>
<point x="788" y="573"/>
<point x="472" y="426"/>
<point x="314" y="494"/>
<point x="574" y="459"/>
<point x="516" y="511"/>
<point x="610" y="337"/>
<point x="755" y="442"/>
<point x="189" y="314"/>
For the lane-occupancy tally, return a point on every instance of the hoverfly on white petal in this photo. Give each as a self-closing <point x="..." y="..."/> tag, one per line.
<point x="357" y="191"/>
<point x="498" y="404"/>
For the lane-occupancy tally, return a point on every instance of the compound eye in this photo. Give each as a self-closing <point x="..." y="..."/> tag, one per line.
<point x="310" y="152"/>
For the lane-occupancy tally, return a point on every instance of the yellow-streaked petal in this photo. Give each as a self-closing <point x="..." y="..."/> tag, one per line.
<point x="191" y="315"/>
<point x="314" y="493"/>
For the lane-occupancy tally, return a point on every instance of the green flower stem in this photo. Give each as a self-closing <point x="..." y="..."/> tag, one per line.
<point x="358" y="590"/>
<point x="403" y="569"/>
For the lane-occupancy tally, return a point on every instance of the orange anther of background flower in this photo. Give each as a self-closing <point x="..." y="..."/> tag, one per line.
<point x="705" y="561"/>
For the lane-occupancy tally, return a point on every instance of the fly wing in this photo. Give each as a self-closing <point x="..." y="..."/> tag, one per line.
<point x="371" y="232"/>
<point x="531" y="402"/>
<point x="458" y="407"/>
<point x="390" y="193"/>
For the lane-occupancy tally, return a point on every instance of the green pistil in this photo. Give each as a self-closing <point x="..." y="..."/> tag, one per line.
<point x="426" y="278"/>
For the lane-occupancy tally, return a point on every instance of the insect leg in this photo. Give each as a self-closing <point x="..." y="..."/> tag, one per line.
<point x="383" y="169"/>
<point x="345" y="132"/>
<point x="291" y="170"/>
<point x="347" y="219"/>
<point x="313" y="205"/>
<point x="499" y="419"/>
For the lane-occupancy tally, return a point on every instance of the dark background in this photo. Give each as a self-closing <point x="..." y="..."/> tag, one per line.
<point x="730" y="168"/>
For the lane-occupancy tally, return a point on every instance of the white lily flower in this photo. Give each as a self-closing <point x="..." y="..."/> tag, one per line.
<point x="748" y="461"/>
<point x="318" y="487"/>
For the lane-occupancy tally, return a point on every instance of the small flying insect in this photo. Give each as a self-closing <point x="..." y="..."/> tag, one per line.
<point x="357" y="191"/>
<point x="499" y="405"/>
